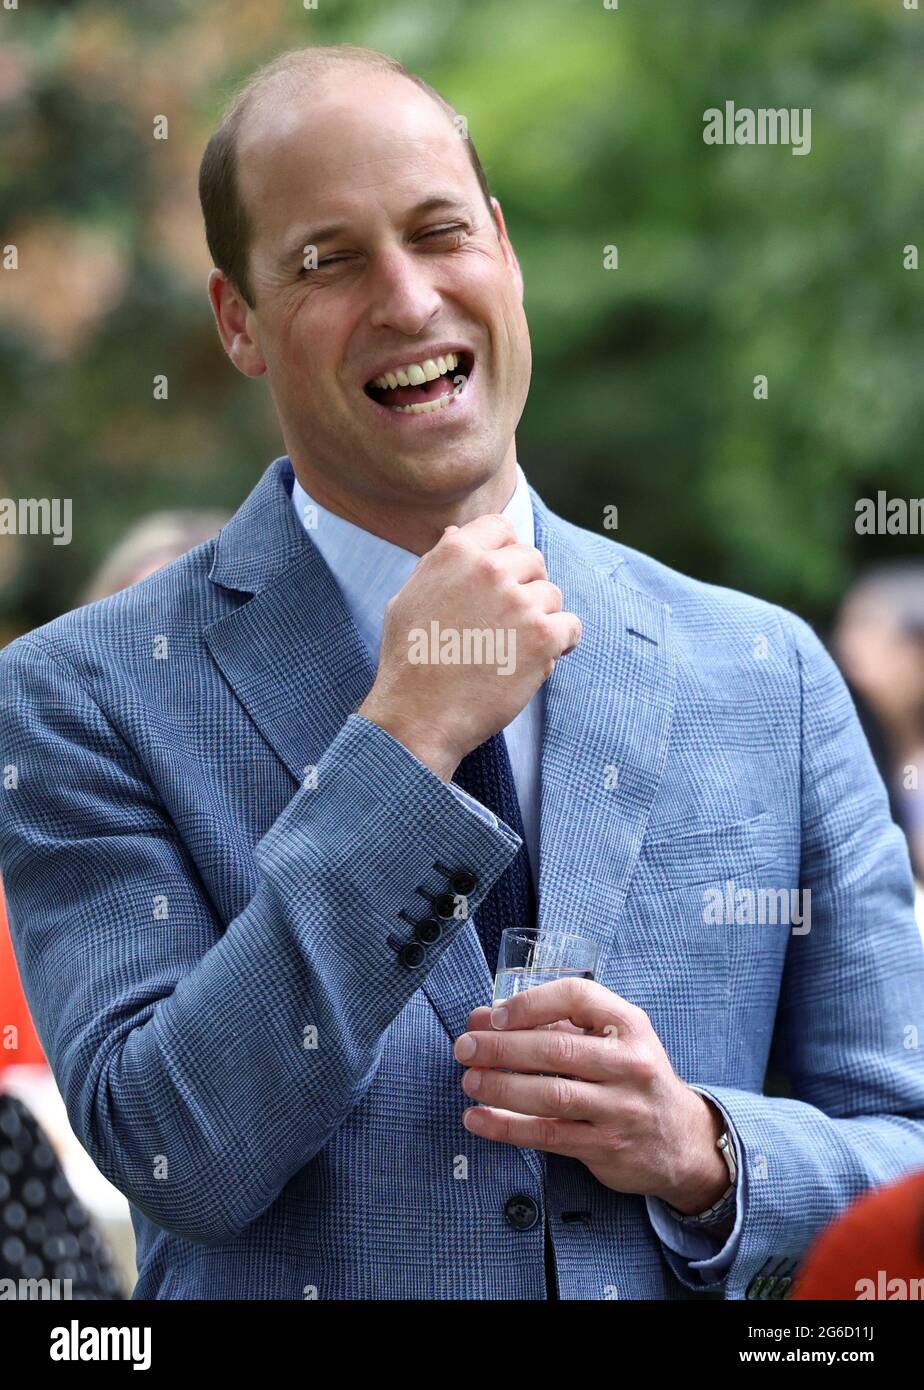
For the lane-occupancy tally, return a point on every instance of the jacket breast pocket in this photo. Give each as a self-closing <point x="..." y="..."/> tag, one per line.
<point x="710" y="855"/>
<point x="674" y="951"/>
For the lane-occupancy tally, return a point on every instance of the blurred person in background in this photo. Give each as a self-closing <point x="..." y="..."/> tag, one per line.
<point x="878" y="642"/>
<point x="49" y="1246"/>
<point x="46" y="1233"/>
<point x="150" y="544"/>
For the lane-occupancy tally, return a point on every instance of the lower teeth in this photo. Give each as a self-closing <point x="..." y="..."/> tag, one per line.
<point x="427" y="407"/>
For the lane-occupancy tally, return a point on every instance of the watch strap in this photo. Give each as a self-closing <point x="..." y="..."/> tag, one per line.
<point x="722" y="1209"/>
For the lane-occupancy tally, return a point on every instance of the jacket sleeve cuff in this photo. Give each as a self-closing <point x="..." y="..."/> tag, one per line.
<point x="694" y="1254"/>
<point x="478" y="807"/>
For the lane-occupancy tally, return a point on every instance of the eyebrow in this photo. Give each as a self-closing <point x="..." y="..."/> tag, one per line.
<point x="316" y="236"/>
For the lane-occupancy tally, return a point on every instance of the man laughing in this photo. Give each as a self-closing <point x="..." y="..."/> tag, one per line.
<point x="258" y="857"/>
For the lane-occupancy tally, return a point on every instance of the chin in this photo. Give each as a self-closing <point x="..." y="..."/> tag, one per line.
<point x="448" y="478"/>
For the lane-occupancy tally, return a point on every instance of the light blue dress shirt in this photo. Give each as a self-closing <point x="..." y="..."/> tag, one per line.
<point x="369" y="572"/>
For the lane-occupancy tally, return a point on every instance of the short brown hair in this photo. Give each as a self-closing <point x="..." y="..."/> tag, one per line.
<point x="227" y="228"/>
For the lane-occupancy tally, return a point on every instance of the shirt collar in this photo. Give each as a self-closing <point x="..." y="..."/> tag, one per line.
<point x="370" y="570"/>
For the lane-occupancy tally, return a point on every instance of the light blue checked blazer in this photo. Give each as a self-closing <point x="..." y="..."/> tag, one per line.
<point x="205" y="854"/>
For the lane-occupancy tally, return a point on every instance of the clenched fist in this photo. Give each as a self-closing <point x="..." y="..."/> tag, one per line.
<point x="442" y="693"/>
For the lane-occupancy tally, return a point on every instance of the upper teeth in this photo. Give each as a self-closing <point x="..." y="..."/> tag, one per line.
<point x="416" y="373"/>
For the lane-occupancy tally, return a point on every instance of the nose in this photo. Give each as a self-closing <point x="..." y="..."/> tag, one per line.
<point x="403" y="297"/>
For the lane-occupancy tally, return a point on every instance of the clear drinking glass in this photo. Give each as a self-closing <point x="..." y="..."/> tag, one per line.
<point x="531" y="956"/>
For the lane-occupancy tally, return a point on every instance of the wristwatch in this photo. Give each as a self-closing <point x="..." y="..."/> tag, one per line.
<point x="726" y="1203"/>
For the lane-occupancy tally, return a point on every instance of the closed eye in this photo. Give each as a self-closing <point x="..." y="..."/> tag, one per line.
<point x="453" y="230"/>
<point x="443" y="231"/>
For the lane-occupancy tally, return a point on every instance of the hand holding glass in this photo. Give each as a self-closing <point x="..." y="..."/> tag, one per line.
<point x="531" y="956"/>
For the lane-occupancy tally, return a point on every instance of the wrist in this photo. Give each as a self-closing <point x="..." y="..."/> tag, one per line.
<point x="707" y="1178"/>
<point x="426" y="744"/>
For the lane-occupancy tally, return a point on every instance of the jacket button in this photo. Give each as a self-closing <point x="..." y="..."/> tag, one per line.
<point x="464" y="882"/>
<point x="444" y="905"/>
<point x="521" y="1212"/>
<point x="428" y="931"/>
<point x="412" y="955"/>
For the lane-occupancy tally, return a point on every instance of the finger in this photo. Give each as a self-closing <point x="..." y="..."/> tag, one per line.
<point x="491" y="531"/>
<point x="564" y="1053"/>
<point x="524" y="563"/>
<point x="568" y="1137"/>
<point x="567" y="629"/>
<point x="479" y="1021"/>
<point x="546" y="595"/>
<point x="586" y="1003"/>
<point x="557" y="1097"/>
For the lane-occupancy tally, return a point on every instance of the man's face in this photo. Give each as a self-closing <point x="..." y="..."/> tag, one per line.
<point x="399" y="283"/>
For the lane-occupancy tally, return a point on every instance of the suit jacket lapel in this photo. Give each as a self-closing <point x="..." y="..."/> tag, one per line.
<point x="291" y="654"/>
<point x="607" y="722"/>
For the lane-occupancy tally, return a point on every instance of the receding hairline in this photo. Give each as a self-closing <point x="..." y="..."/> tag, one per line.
<point x="311" y="73"/>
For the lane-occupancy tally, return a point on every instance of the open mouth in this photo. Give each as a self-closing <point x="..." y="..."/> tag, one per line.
<point x="420" y="388"/>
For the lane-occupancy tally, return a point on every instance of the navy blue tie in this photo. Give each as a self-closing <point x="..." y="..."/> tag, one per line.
<point x="486" y="774"/>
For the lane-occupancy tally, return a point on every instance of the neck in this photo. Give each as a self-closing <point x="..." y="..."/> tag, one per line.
<point x="414" y="523"/>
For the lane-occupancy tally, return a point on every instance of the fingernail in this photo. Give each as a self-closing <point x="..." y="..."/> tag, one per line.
<point x="499" y="1017"/>
<point x="465" y="1047"/>
<point x="473" y="1082"/>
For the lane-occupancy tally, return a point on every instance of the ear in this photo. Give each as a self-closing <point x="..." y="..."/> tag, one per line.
<point x="506" y="246"/>
<point x="236" y="324"/>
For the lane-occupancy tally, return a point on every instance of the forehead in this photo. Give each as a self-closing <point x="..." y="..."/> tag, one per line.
<point x="355" y="147"/>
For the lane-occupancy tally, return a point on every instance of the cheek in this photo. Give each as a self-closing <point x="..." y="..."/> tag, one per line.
<point x="481" y="284"/>
<point x="305" y="348"/>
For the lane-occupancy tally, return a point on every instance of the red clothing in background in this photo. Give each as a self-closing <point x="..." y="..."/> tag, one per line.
<point x="14" y="1011"/>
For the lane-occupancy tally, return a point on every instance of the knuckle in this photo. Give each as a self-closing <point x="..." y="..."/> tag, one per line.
<point x="493" y="1085"/>
<point x="637" y="1015"/>
<point x="454" y="541"/>
<point x="520" y="599"/>
<point x="488" y="566"/>
<point x="563" y="1049"/>
<point x="535" y="627"/>
<point x="561" y="1093"/>
<point x="534" y="560"/>
<point x="645" y="1066"/>
<point x="547" y="1134"/>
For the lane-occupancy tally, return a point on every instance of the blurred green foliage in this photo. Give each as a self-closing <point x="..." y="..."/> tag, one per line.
<point x="733" y="262"/>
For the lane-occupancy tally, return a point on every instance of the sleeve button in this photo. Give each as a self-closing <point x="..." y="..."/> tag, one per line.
<point x="444" y="905"/>
<point x="412" y="955"/>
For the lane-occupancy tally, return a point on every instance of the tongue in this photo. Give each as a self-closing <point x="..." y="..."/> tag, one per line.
<point x="411" y="395"/>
